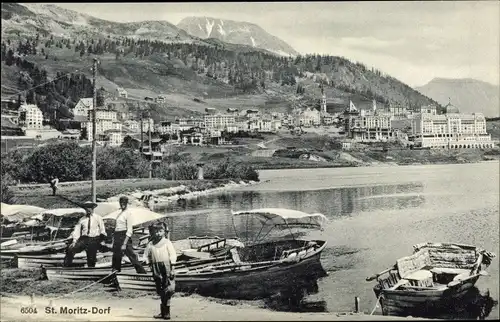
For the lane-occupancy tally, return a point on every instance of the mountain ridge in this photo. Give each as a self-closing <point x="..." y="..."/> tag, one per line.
<point x="236" y="32"/>
<point x="147" y="63"/>
<point x="468" y="94"/>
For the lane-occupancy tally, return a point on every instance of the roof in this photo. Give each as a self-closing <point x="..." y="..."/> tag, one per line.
<point x="287" y="217"/>
<point x="88" y="101"/>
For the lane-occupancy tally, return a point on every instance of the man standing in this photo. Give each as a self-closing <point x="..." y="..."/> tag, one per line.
<point x="53" y="184"/>
<point x="87" y="235"/>
<point x="122" y="239"/>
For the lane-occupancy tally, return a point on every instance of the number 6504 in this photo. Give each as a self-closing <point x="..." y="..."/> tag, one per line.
<point x="28" y="310"/>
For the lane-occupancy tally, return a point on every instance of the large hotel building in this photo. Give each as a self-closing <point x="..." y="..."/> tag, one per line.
<point x="450" y="131"/>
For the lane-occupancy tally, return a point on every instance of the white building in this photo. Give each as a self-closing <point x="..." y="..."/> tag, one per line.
<point x="132" y="125"/>
<point x="219" y="121"/>
<point x="450" y="131"/>
<point x="370" y="128"/>
<point x="105" y="120"/>
<point x="30" y="117"/>
<point x="83" y="107"/>
<point x="114" y="137"/>
<point x="309" y="117"/>
<point x="121" y="92"/>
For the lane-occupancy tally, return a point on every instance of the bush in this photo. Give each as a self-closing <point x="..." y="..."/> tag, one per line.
<point x="7" y="194"/>
<point x="68" y="161"/>
<point x="184" y="171"/>
<point x="230" y="169"/>
<point x="120" y="163"/>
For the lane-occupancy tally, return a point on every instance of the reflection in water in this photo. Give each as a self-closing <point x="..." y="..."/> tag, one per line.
<point x="334" y="203"/>
<point x="374" y="221"/>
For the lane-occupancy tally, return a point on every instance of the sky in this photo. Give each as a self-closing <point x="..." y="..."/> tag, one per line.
<point x="414" y="41"/>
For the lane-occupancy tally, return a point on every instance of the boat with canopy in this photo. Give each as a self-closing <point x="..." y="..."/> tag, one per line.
<point x="256" y="270"/>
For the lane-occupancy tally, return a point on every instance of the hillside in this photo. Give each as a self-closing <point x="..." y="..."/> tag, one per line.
<point x="469" y="95"/>
<point x="235" y="32"/>
<point x="193" y="73"/>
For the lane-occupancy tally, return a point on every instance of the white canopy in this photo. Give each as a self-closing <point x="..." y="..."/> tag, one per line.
<point x="19" y="212"/>
<point x="287" y="217"/>
<point x="58" y="212"/>
<point x="139" y="216"/>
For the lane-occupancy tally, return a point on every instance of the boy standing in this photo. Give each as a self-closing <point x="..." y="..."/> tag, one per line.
<point x="53" y="184"/>
<point x="160" y="255"/>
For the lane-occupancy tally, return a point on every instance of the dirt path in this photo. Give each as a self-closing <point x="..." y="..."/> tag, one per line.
<point x="183" y="309"/>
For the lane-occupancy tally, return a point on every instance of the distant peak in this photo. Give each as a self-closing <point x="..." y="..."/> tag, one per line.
<point x="455" y="80"/>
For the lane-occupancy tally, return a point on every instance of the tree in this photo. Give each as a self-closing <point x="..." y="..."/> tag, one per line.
<point x="68" y="161"/>
<point x="9" y="58"/>
<point x="100" y="97"/>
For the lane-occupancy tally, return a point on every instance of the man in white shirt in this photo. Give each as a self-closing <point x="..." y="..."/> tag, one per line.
<point x="122" y="239"/>
<point x="87" y="235"/>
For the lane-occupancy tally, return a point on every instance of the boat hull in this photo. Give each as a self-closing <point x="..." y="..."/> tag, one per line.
<point x="425" y="303"/>
<point x="57" y="260"/>
<point x="240" y="283"/>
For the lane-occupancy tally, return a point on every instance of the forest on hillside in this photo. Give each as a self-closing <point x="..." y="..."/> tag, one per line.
<point x="246" y="71"/>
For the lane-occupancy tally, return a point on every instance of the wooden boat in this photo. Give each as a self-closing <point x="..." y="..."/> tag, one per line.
<point x="102" y="271"/>
<point x="54" y="270"/>
<point x="436" y="278"/>
<point x="255" y="271"/>
<point x="57" y="260"/>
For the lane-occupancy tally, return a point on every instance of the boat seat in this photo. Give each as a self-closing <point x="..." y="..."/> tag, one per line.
<point x="451" y="271"/>
<point x="420" y="278"/>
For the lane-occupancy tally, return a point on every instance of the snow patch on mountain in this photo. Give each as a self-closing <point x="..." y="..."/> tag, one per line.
<point x="253" y="41"/>
<point x="209" y="27"/>
<point x="221" y="29"/>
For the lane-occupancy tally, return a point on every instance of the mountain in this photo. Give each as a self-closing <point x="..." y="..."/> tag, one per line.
<point x="236" y="32"/>
<point x="36" y="18"/>
<point x="41" y="42"/>
<point x="469" y="95"/>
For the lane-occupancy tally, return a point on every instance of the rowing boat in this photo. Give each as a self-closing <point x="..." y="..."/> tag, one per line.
<point x="257" y="270"/>
<point x="436" y="278"/>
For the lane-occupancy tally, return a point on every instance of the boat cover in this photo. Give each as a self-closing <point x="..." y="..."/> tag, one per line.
<point x="140" y="215"/>
<point x="286" y="217"/>
<point x="17" y="213"/>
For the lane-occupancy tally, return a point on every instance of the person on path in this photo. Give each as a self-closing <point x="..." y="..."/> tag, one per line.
<point x="122" y="239"/>
<point x="53" y="184"/>
<point x="87" y="235"/>
<point x="160" y="255"/>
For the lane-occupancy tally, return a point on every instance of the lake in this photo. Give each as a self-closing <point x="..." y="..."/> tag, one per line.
<point x="375" y="216"/>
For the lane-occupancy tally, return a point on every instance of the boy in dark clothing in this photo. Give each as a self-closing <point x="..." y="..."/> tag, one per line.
<point x="54" y="181"/>
<point x="160" y="255"/>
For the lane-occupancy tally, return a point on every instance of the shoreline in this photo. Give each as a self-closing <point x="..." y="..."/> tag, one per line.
<point x="184" y="308"/>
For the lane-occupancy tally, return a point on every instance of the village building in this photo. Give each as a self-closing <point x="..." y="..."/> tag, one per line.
<point x="161" y="99"/>
<point x="450" y="131"/>
<point x="367" y="125"/>
<point x="121" y="92"/>
<point x="309" y="117"/>
<point x="224" y="122"/>
<point x="83" y="107"/>
<point x="30" y="117"/>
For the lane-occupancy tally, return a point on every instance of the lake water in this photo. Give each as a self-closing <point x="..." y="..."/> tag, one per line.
<point x="375" y="216"/>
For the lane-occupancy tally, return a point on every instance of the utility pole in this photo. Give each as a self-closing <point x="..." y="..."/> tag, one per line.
<point x="150" y="148"/>
<point x="142" y="134"/>
<point x="94" y="128"/>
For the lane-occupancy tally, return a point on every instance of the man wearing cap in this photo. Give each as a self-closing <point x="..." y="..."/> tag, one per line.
<point x="122" y="239"/>
<point x="87" y="235"/>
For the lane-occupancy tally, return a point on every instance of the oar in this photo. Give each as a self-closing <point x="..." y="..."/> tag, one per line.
<point x="371" y="278"/>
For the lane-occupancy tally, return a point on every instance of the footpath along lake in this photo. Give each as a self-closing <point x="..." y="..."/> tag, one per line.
<point x="375" y="216"/>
